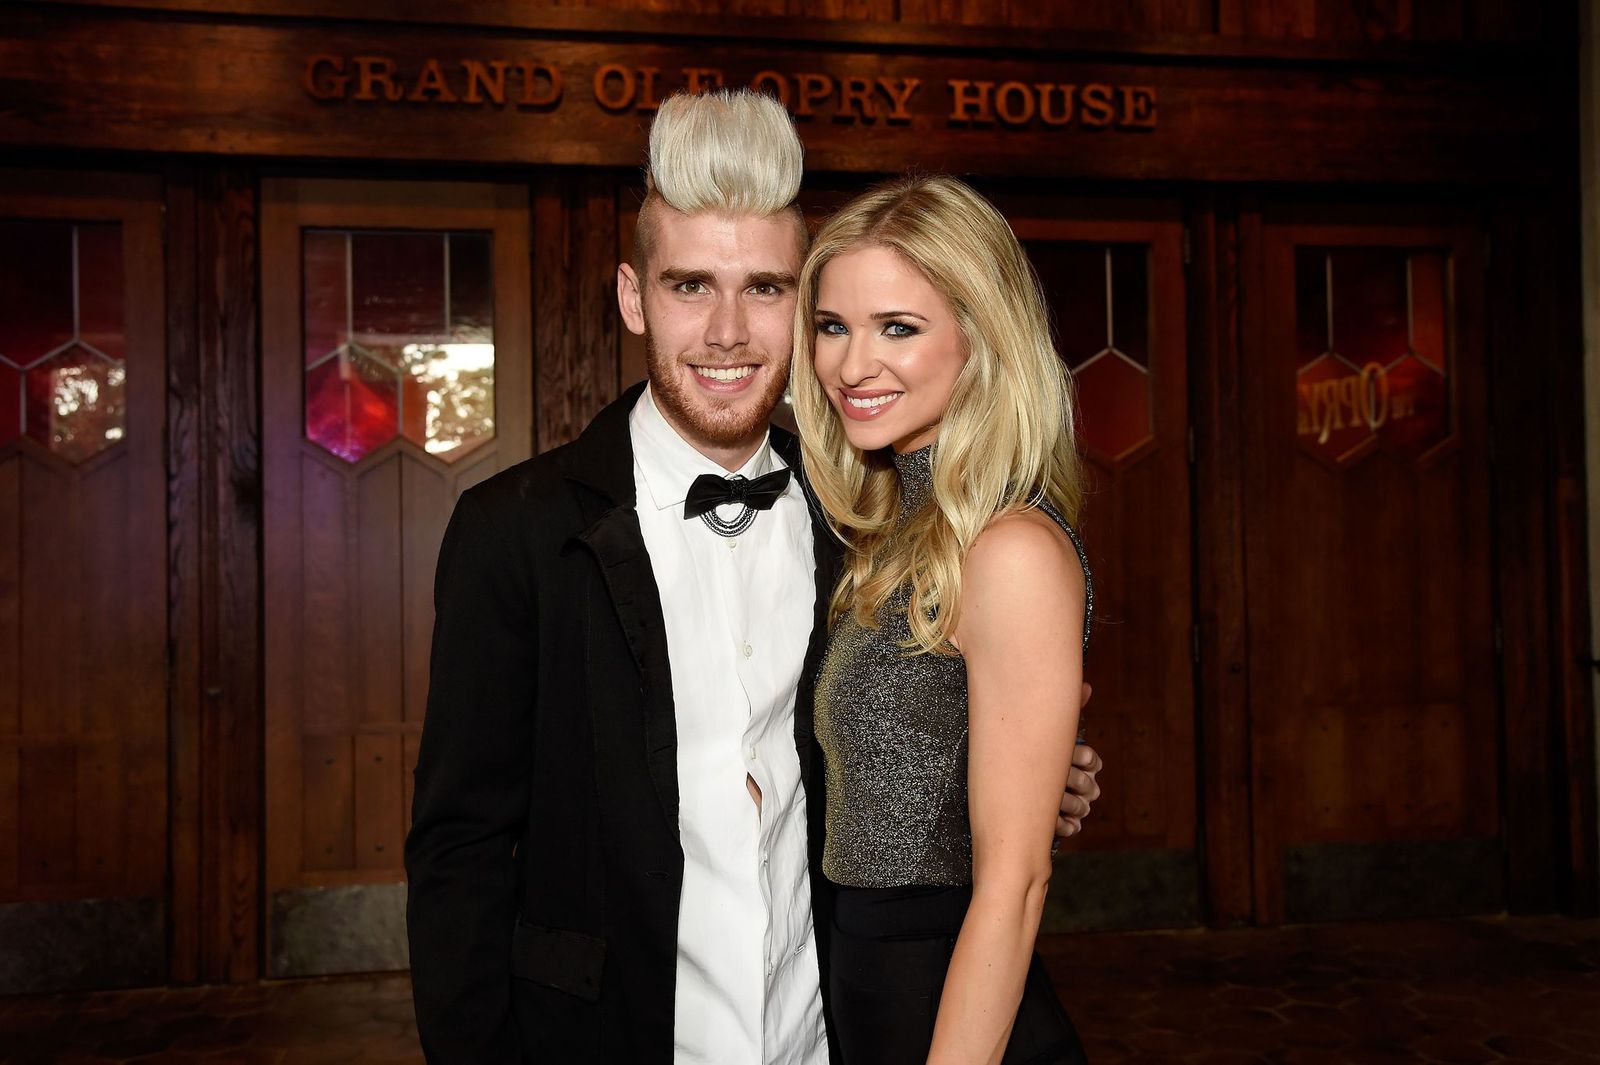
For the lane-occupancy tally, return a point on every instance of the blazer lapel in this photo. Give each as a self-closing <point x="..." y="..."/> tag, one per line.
<point x="602" y="461"/>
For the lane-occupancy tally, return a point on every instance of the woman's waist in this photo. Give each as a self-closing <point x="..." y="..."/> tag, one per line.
<point x="900" y="912"/>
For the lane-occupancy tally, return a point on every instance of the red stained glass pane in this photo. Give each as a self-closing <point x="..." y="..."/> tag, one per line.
<point x="352" y="406"/>
<point x="1073" y="276"/>
<point x="100" y="287"/>
<point x="1130" y="301"/>
<point x="1336" y="407"/>
<point x="471" y="288"/>
<point x="1417" y="408"/>
<point x="1428" y="308"/>
<point x="75" y="404"/>
<point x="1310" y="304"/>
<point x="1113" y="406"/>
<point x="397" y="288"/>
<point x="10" y="404"/>
<point x="1369" y="304"/>
<point x="35" y="289"/>
<point x="324" y="269"/>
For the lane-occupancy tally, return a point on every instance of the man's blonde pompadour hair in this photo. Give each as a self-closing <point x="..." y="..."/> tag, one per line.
<point x="731" y="150"/>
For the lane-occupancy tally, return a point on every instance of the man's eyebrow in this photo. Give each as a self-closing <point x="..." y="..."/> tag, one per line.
<point x="775" y="278"/>
<point x="677" y="275"/>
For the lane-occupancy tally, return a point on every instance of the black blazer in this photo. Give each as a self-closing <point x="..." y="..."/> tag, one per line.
<point x="544" y="861"/>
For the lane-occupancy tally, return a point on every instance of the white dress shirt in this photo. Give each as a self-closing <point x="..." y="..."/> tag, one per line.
<point x="738" y="614"/>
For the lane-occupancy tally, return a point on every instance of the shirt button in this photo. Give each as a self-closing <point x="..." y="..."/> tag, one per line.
<point x="733" y="543"/>
<point x="748" y="651"/>
<point x="764" y="857"/>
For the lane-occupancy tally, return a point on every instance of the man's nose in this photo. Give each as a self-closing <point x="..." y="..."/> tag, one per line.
<point x="729" y="325"/>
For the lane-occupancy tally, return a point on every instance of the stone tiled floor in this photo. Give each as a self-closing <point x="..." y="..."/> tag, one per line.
<point x="1482" y="990"/>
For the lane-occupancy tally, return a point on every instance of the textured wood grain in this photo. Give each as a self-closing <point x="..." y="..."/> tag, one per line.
<point x="228" y="320"/>
<point x="1223" y="681"/>
<point x="1480" y="122"/>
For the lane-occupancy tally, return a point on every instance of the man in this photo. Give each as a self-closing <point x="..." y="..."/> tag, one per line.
<point x="618" y="800"/>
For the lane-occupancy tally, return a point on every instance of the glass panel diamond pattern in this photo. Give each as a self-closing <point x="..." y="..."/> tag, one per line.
<point x="62" y="374"/>
<point x="1372" y="341"/>
<point x="399" y="340"/>
<point x="1099" y="296"/>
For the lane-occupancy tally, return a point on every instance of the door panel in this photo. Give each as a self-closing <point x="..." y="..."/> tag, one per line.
<point x="83" y="729"/>
<point x="1113" y="275"/>
<point x="396" y="374"/>
<point x="1369" y="585"/>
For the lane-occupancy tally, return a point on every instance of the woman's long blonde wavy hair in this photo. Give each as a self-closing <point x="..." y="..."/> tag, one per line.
<point x="1005" y="442"/>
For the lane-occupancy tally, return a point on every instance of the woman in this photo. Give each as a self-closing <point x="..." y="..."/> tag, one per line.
<point x="938" y="433"/>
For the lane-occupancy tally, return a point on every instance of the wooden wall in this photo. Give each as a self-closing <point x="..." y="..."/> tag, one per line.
<point x="1279" y="20"/>
<point x="580" y="215"/>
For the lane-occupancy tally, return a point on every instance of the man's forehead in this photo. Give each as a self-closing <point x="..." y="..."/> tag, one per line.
<point x="719" y="241"/>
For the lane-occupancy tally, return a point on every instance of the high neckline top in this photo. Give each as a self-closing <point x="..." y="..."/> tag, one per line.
<point x="916" y="478"/>
<point x="893" y="731"/>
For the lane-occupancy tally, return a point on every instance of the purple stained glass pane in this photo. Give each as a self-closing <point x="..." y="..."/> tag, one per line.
<point x="1073" y="277"/>
<point x="1130" y="301"/>
<point x="1369" y="304"/>
<point x="398" y="288"/>
<point x="1310" y="304"/>
<point x="75" y="403"/>
<point x="35" y="288"/>
<point x="10" y="404"/>
<point x="325" y="271"/>
<point x="471" y="288"/>
<point x="352" y="405"/>
<point x="100" y="288"/>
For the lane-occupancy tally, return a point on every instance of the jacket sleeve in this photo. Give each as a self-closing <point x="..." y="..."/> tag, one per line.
<point x="471" y="797"/>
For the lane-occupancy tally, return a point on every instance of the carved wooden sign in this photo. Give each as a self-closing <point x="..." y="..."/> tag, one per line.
<point x="107" y="80"/>
<point x="540" y="85"/>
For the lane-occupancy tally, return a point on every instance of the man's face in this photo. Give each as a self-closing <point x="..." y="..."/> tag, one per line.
<point x="716" y="309"/>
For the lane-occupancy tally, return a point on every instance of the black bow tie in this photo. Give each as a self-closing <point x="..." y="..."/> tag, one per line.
<point x="710" y="491"/>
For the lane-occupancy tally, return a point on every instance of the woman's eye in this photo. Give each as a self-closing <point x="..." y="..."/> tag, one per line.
<point x="900" y="329"/>
<point x="831" y="329"/>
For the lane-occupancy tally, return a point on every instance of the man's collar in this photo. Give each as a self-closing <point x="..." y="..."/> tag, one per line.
<point x="670" y="463"/>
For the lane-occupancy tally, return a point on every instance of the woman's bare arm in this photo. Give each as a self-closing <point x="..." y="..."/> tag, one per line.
<point x="1021" y="632"/>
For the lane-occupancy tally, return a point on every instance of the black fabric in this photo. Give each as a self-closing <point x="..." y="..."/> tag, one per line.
<point x="544" y="866"/>
<point x="890" y="952"/>
<point x="710" y="491"/>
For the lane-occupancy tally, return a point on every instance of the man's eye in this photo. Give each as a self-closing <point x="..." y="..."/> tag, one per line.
<point x="831" y="329"/>
<point x="764" y="290"/>
<point x="691" y="288"/>
<point x="900" y="329"/>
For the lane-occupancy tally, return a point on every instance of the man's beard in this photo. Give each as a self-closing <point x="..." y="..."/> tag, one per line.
<point x="713" y="421"/>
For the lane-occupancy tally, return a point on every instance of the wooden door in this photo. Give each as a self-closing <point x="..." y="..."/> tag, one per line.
<point x="1114" y="276"/>
<point x="83" y="695"/>
<point x="1367" y="551"/>
<point x="396" y="374"/>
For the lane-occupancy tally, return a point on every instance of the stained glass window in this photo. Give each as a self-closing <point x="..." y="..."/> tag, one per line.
<point x="62" y="374"/>
<point x="1100" y="301"/>
<point x="1371" y="328"/>
<point x="399" y="340"/>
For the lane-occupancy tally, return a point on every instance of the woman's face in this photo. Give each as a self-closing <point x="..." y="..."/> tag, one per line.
<point x="888" y="349"/>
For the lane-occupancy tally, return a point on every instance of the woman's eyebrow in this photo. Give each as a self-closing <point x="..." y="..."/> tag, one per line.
<point x="883" y="315"/>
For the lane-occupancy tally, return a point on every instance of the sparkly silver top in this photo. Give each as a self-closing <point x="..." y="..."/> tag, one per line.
<point x="893" y="731"/>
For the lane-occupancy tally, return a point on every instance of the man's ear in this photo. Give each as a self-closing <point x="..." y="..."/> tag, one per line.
<point x="630" y="300"/>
